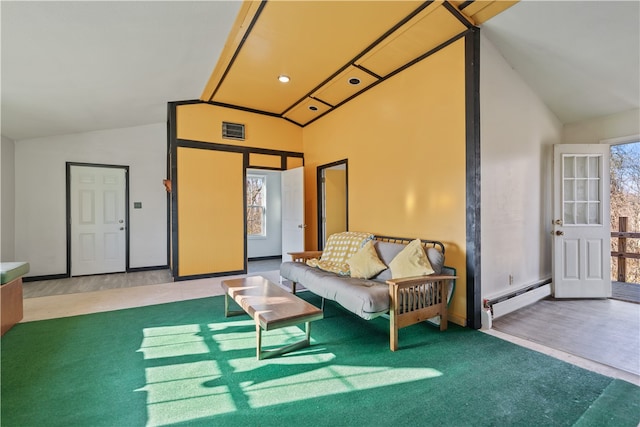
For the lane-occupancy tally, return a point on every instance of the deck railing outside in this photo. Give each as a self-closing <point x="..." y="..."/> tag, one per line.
<point x="621" y="254"/>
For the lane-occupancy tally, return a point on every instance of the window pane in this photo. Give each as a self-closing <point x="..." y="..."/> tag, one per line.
<point x="255" y="223"/>
<point x="256" y="205"/>
<point x="568" y="190"/>
<point x="568" y="167"/>
<point x="569" y="218"/>
<point x="581" y="189"/>
<point x="594" y="213"/>
<point x="582" y="213"/>
<point x="594" y="194"/>
<point x="594" y="167"/>
<point x="581" y="167"/>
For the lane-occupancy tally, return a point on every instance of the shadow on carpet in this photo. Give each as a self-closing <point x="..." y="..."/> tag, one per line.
<point x="184" y="363"/>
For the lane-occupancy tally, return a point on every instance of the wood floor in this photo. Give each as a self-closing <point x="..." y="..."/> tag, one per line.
<point x="100" y="282"/>
<point x="625" y="291"/>
<point x="603" y="330"/>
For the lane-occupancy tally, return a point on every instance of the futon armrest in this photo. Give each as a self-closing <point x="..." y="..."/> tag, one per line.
<point x="304" y="256"/>
<point x="407" y="282"/>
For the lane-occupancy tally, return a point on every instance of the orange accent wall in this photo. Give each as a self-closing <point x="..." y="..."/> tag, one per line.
<point x="210" y="211"/>
<point x="294" y="162"/>
<point x="336" y="201"/>
<point x="264" y="160"/>
<point x="405" y="142"/>
<point x="203" y="122"/>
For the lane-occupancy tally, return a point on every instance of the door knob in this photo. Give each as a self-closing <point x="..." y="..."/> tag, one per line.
<point x="559" y="233"/>
<point x="121" y="228"/>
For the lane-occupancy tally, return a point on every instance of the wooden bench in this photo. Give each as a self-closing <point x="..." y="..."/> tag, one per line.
<point x="11" y="293"/>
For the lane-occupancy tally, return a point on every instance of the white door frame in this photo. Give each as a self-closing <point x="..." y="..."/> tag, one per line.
<point x="68" y="208"/>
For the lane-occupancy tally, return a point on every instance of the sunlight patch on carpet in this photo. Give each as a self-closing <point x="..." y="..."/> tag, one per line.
<point x="172" y="341"/>
<point x="180" y="392"/>
<point x="307" y="357"/>
<point x="239" y="335"/>
<point x="330" y="380"/>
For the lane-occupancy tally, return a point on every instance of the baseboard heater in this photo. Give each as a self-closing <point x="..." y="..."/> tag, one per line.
<point x="522" y="297"/>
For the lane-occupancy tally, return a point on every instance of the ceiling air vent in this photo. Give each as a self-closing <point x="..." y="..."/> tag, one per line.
<point x="233" y="131"/>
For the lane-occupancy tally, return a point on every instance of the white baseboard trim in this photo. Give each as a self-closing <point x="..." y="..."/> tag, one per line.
<point x="522" y="300"/>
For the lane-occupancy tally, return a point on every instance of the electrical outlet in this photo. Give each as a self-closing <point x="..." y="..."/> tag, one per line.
<point x="510" y="279"/>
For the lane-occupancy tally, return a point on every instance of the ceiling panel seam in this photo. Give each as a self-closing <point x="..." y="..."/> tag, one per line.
<point x="466" y="21"/>
<point x="364" y="52"/>
<point x="465" y="4"/>
<point x="393" y="73"/>
<point x="368" y="71"/>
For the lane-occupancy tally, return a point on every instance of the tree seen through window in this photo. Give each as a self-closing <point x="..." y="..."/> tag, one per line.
<point x="256" y="205"/>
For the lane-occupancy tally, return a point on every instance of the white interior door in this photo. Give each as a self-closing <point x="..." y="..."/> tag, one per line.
<point x="98" y="212"/>
<point x="581" y="224"/>
<point x="293" y="226"/>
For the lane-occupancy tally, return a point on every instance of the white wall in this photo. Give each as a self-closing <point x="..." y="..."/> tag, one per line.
<point x="593" y="131"/>
<point x="517" y="136"/>
<point x="40" y="189"/>
<point x="7" y="201"/>
<point x="271" y="245"/>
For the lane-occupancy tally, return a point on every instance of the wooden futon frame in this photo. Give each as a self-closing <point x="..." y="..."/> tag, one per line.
<point x="412" y="299"/>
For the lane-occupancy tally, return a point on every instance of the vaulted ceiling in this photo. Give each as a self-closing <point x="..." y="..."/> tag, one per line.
<point x="581" y="57"/>
<point x="71" y="67"/>
<point x="327" y="54"/>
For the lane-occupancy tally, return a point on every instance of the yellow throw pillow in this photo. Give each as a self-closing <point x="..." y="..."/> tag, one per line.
<point x="411" y="261"/>
<point x="365" y="263"/>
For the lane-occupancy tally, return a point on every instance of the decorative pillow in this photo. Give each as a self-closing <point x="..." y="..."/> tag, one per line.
<point x="411" y="261"/>
<point x="339" y="248"/>
<point x="436" y="259"/>
<point x="387" y="251"/>
<point x="365" y="263"/>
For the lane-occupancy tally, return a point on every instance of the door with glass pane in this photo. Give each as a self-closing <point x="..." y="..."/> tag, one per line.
<point x="581" y="228"/>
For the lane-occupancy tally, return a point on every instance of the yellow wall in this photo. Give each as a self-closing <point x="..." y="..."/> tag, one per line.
<point x="405" y="142"/>
<point x="210" y="211"/>
<point x="335" y="181"/>
<point x="203" y="122"/>
<point x="209" y="183"/>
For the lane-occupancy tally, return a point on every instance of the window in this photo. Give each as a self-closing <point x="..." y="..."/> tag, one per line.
<point x="581" y="189"/>
<point x="257" y="205"/>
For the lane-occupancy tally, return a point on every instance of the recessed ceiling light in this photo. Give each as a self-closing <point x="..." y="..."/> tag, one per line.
<point x="313" y="108"/>
<point x="354" y="81"/>
<point x="283" y="78"/>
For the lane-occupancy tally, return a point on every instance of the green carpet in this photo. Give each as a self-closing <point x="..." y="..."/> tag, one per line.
<point x="185" y="364"/>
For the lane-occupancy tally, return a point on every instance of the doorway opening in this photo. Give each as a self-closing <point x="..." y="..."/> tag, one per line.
<point x="264" y="220"/>
<point x="625" y="221"/>
<point x="600" y="330"/>
<point x="333" y="200"/>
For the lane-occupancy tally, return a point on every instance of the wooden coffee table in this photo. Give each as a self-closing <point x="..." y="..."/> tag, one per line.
<point x="271" y="307"/>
